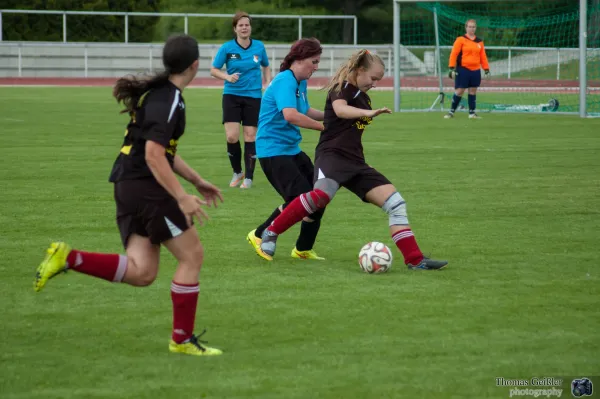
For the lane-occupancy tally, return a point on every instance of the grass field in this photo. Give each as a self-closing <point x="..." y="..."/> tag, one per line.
<point x="512" y="201"/>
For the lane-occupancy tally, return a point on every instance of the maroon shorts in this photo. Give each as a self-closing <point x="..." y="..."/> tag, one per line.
<point x="356" y="176"/>
<point x="145" y="208"/>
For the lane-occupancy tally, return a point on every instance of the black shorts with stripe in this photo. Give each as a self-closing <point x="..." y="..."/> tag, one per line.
<point x="290" y="175"/>
<point x="240" y="109"/>
<point x="356" y="176"/>
<point x="145" y="208"/>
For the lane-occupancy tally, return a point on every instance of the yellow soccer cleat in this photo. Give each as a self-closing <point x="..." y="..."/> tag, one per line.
<point x="194" y="347"/>
<point x="54" y="263"/>
<point x="310" y="254"/>
<point x="255" y="242"/>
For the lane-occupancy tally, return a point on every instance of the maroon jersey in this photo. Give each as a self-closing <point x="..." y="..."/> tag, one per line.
<point x="344" y="136"/>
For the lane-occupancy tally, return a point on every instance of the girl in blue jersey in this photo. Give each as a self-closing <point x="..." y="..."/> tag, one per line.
<point x="284" y="110"/>
<point x="244" y="58"/>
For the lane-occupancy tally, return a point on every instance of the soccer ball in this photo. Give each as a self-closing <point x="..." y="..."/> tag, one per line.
<point x="375" y="257"/>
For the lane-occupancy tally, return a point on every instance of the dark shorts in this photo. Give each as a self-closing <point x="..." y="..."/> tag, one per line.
<point x="356" y="176"/>
<point x="147" y="209"/>
<point x="467" y="78"/>
<point x="290" y="175"/>
<point x="241" y="109"/>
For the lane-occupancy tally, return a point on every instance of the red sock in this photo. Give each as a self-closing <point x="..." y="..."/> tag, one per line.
<point x="110" y="267"/>
<point x="298" y="209"/>
<point x="407" y="244"/>
<point x="185" y="299"/>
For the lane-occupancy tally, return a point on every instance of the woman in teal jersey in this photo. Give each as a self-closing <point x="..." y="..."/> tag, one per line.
<point x="284" y="110"/>
<point x="245" y="59"/>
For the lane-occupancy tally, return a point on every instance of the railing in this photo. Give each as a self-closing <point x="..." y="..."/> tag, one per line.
<point x="89" y="51"/>
<point x="507" y="64"/>
<point x="185" y="16"/>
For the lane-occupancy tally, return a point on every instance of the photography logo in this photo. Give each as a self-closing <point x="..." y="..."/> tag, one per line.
<point x="582" y="387"/>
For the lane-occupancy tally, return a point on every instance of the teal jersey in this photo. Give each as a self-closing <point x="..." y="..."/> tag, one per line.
<point x="275" y="135"/>
<point x="245" y="61"/>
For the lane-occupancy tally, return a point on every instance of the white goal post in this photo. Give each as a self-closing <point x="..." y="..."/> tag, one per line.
<point x="440" y="65"/>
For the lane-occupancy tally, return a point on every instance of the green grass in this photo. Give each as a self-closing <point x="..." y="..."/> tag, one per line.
<point x="511" y="200"/>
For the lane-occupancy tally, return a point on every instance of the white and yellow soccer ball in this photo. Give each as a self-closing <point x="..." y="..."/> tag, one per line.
<point x="375" y="257"/>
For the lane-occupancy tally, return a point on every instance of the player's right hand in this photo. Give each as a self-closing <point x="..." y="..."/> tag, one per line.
<point x="191" y="206"/>
<point x="452" y="73"/>
<point x="233" y="78"/>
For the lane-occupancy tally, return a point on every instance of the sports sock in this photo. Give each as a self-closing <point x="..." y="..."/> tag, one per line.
<point x="407" y="244"/>
<point x="472" y="98"/>
<point x="455" y="102"/>
<point x="234" y="150"/>
<point x="110" y="267"/>
<point x="308" y="235"/>
<point x="185" y="301"/>
<point x="250" y="159"/>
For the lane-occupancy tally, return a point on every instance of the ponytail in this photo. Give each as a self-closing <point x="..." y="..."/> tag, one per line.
<point x="360" y="59"/>
<point x="130" y="88"/>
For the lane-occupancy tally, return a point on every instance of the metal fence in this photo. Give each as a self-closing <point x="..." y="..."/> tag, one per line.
<point x="185" y="16"/>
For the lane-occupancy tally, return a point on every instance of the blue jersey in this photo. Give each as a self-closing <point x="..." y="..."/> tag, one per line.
<point x="245" y="61"/>
<point x="275" y="135"/>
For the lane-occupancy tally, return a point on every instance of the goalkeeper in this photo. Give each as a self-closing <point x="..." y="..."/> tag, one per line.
<point x="466" y="61"/>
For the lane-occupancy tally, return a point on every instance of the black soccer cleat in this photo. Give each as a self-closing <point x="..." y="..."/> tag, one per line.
<point x="428" y="264"/>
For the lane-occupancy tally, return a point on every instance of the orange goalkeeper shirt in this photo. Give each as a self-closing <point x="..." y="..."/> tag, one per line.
<point x="468" y="54"/>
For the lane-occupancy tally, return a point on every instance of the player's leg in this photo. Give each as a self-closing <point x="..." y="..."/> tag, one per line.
<point x="387" y="197"/>
<point x="138" y="267"/>
<point x="185" y="288"/>
<point x="322" y="192"/>
<point x="459" y="89"/>
<point x="232" y="117"/>
<point x="250" y="113"/>
<point x="273" y="168"/>
<point x="60" y="258"/>
<point x="473" y="98"/>
<point x="306" y="204"/>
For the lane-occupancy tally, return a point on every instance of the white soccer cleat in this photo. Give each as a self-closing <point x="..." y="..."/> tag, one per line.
<point x="449" y="115"/>
<point x="236" y="179"/>
<point x="247" y="183"/>
<point x="474" y="116"/>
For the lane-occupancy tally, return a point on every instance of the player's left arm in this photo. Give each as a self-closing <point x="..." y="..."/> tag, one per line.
<point x="316" y="114"/>
<point x="266" y="70"/>
<point x="484" y="61"/>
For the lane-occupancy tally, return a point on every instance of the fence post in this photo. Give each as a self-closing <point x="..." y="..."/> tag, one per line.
<point x="299" y="27"/>
<point x="185" y="24"/>
<point x="150" y="56"/>
<point x="558" y="63"/>
<point x="126" y="28"/>
<point x="509" y="61"/>
<point x="272" y="63"/>
<point x="64" y="27"/>
<point x="0" y="26"/>
<point x="331" y="60"/>
<point x="85" y="60"/>
<point x="389" y="62"/>
<point x="20" y="61"/>
<point x="355" y="31"/>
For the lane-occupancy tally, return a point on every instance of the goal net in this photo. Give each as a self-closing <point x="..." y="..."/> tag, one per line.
<point x="533" y="48"/>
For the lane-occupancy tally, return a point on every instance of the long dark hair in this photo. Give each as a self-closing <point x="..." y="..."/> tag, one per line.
<point x="179" y="52"/>
<point x="301" y="50"/>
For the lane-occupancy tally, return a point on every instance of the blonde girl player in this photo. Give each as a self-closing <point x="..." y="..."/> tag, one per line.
<point x="466" y="60"/>
<point x="245" y="59"/>
<point x="340" y="162"/>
